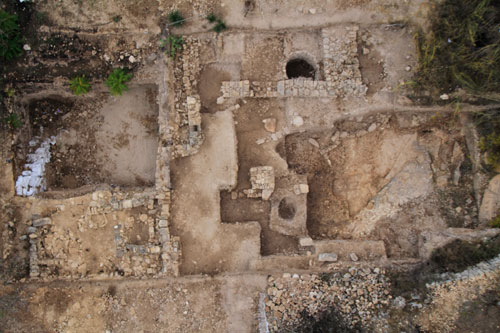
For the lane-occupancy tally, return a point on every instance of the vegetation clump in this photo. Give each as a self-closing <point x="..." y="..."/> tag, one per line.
<point x="79" y="85"/>
<point x="10" y="36"/>
<point x="211" y="18"/>
<point x="462" y="50"/>
<point x="488" y="124"/>
<point x="219" y="24"/>
<point x="172" y="44"/>
<point x="116" y="81"/>
<point x="495" y="223"/>
<point x="176" y="19"/>
<point x="13" y="120"/>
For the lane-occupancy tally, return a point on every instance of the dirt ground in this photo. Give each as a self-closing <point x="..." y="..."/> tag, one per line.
<point x="210" y="246"/>
<point x="94" y="137"/>
<point x="211" y="304"/>
<point x="361" y="182"/>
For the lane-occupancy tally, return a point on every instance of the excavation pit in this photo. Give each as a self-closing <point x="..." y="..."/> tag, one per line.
<point x="299" y="67"/>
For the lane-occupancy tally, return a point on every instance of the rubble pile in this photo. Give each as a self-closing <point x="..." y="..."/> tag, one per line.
<point x="359" y="295"/>
<point x="340" y="61"/>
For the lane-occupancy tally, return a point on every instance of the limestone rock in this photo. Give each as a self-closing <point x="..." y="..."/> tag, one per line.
<point x="491" y="201"/>
<point x="41" y="222"/>
<point x="298" y="121"/>
<point x="270" y="124"/>
<point x="399" y="302"/>
<point x="313" y="142"/>
<point x="330" y="257"/>
<point x="306" y="241"/>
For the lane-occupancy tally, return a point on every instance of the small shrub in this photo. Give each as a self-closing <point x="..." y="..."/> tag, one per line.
<point x="10" y="92"/>
<point x="495" y="223"/>
<point x="10" y="37"/>
<point x="174" y="44"/>
<point x="211" y="18"/>
<point x="13" y="121"/>
<point x="488" y="125"/>
<point x="117" y="18"/>
<point x="176" y="19"/>
<point x="490" y="145"/>
<point x="116" y="81"/>
<point x="220" y="26"/>
<point x="79" y="85"/>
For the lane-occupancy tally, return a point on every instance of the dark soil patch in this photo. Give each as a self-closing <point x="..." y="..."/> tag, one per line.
<point x="209" y="87"/>
<point x="245" y="209"/>
<point x="371" y="69"/>
<point x="325" y="211"/>
<point x="72" y="168"/>
<point x="458" y="255"/>
<point x="482" y="314"/>
<point x="138" y="232"/>
<point x="330" y="321"/>
<point x="453" y="257"/>
<point x="45" y="115"/>
<point x="64" y="55"/>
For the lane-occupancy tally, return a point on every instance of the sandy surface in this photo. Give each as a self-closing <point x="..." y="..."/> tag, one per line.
<point x="207" y="245"/>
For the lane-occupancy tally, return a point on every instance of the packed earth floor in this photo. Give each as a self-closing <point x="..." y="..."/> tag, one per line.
<point x="272" y="177"/>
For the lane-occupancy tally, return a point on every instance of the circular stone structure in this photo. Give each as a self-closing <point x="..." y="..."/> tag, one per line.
<point x="299" y="67"/>
<point x="286" y="209"/>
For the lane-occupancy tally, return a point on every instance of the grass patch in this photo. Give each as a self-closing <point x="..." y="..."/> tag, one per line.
<point x="463" y="47"/>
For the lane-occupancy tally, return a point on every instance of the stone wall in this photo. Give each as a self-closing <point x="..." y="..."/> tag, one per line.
<point x="185" y="124"/>
<point x="341" y="73"/>
<point x="58" y="251"/>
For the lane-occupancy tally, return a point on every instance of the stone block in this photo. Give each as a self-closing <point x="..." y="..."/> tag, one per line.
<point x="306" y="241"/>
<point x="41" y="222"/>
<point x="328" y="257"/>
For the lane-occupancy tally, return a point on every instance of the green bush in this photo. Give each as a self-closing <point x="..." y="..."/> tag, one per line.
<point x="176" y="19"/>
<point x="13" y="121"/>
<point x="79" y="85"/>
<point x="10" y="37"/>
<point x="174" y="44"/>
<point x="495" y="223"/>
<point x="116" y="81"/>
<point x="211" y="18"/>
<point x="462" y="48"/>
<point x="220" y="26"/>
